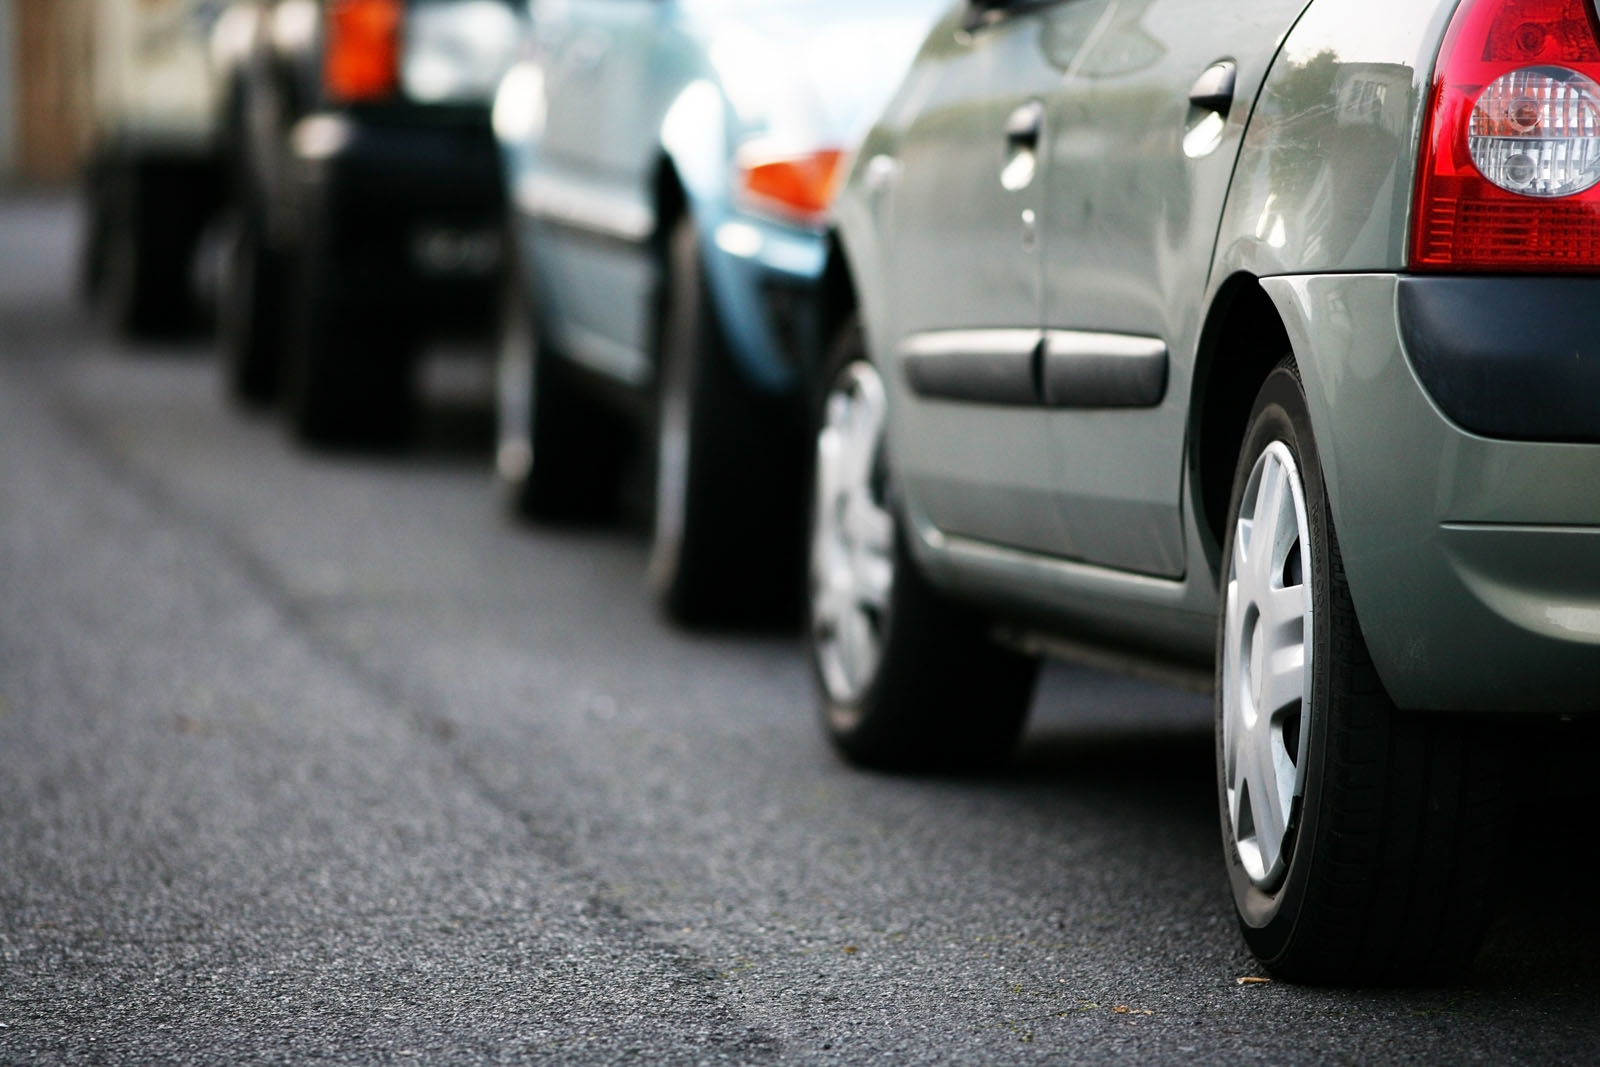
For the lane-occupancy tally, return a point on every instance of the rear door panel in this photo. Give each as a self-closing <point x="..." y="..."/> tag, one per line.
<point x="1136" y="180"/>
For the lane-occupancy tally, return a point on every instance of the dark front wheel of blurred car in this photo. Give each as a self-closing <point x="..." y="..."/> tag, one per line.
<point x="1361" y="840"/>
<point x="909" y="679"/>
<point x="728" y="504"/>
<point x="559" y="453"/>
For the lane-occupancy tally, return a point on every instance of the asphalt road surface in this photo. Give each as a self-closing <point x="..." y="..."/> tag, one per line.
<point x="309" y="758"/>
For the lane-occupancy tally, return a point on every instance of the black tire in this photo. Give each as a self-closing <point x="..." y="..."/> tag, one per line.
<point x="940" y="693"/>
<point x="727" y="542"/>
<point x="92" y="252"/>
<point x="351" y="361"/>
<point x="1398" y="825"/>
<point x="560" y="454"/>
<point x="253" y="312"/>
<point x="145" y="231"/>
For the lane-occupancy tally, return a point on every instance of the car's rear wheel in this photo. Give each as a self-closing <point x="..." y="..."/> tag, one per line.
<point x="1361" y="841"/>
<point x="908" y="678"/>
<point x="725" y="543"/>
<point x="559" y="453"/>
<point x="251" y="314"/>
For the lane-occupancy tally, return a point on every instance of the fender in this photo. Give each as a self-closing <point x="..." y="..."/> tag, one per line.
<point x="1318" y="215"/>
<point x="697" y="141"/>
<point x="1323" y="179"/>
<point x="694" y="140"/>
<point x="859" y="215"/>
<point x="1324" y="176"/>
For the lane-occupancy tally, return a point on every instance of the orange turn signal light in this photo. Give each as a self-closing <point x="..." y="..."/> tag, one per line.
<point x="802" y="184"/>
<point x="361" y="54"/>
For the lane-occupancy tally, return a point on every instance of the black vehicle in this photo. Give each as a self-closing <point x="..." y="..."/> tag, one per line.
<point x="365" y="200"/>
<point x="152" y="180"/>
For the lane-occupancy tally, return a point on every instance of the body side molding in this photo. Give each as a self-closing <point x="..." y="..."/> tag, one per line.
<point x="976" y="366"/>
<point x="1103" y="370"/>
<point x="1034" y="368"/>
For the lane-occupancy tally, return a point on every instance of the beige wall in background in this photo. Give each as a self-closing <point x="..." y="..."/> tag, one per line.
<point x="8" y="91"/>
<point x="49" y="56"/>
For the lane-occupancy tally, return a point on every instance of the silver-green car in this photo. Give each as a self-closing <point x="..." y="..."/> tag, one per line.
<point x="1252" y="336"/>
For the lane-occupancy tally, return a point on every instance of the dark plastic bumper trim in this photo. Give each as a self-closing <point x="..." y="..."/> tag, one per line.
<point x="1507" y="357"/>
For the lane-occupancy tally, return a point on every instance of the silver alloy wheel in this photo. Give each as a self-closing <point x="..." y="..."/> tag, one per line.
<point x="514" y="385"/>
<point x="1266" y="664"/>
<point x="852" y="537"/>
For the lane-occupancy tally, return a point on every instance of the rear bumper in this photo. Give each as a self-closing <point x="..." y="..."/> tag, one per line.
<point x="1473" y="560"/>
<point x="1512" y="357"/>
<point x="410" y="213"/>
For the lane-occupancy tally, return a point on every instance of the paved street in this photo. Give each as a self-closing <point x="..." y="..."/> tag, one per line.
<point x="312" y="758"/>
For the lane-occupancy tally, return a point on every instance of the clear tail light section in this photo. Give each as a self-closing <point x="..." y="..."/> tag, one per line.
<point x="1510" y="168"/>
<point x="456" y="51"/>
<point x="1537" y="131"/>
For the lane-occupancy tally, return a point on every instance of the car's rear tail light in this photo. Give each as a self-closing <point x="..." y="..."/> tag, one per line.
<point x="1510" y="168"/>
<point x="800" y="184"/>
<point x="361" y="54"/>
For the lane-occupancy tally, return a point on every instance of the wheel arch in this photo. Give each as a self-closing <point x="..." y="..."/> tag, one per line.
<point x="1243" y="340"/>
<point x="856" y="276"/>
<point x="837" y="299"/>
<point x="668" y="197"/>
<point x="695" y="188"/>
<point x="689" y="174"/>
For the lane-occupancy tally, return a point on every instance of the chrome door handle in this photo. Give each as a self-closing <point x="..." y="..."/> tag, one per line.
<point x="1022" y="127"/>
<point x="1213" y="90"/>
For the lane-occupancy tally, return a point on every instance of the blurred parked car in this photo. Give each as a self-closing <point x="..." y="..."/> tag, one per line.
<point x="366" y="200"/>
<point x="1252" y="336"/>
<point x="669" y="163"/>
<point x="154" y="175"/>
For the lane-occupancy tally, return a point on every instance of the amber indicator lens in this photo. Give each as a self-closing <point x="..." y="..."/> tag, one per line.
<point x="801" y="184"/>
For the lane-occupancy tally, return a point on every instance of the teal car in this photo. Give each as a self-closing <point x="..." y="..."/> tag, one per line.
<point x="1255" y="339"/>
<point x="669" y="165"/>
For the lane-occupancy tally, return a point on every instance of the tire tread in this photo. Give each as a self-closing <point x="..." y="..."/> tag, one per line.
<point x="1413" y="826"/>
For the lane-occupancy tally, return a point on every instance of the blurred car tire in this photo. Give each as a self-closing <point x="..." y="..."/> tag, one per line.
<point x="144" y="228"/>
<point x="252" y="315"/>
<point x="725" y="543"/>
<point x="559" y="454"/>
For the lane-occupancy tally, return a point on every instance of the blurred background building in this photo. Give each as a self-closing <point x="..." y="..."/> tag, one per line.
<point x="46" y="121"/>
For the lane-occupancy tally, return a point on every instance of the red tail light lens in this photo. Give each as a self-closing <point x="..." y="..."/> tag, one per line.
<point x="361" y="55"/>
<point x="1510" y="169"/>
